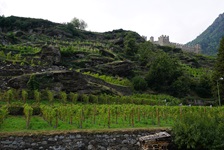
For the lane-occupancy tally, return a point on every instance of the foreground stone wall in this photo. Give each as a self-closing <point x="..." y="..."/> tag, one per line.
<point x="118" y="140"/>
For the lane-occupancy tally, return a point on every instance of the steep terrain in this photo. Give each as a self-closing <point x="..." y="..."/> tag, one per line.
<point x="210" y="38"/>
<point x="39" y="54"/>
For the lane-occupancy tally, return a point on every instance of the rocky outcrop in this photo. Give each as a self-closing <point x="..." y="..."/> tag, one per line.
<point x="114" y="89"/>
<point x="120" y="68"/>
<point x="60" y="80"/>
<point x="69" y="81"/>
<point x="51" y="55"/>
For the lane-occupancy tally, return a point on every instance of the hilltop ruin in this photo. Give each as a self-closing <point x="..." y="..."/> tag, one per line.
<point x="164" y="40"/>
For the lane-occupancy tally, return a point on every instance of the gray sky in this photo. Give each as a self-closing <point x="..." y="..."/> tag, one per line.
<point x="182" y="20"/>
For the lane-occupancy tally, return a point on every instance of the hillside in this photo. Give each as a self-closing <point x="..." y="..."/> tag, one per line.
<point x="39" y="54"/>
<point x="210" y="38"/>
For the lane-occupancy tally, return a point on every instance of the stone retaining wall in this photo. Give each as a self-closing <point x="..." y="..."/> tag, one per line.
<point x="118" y="140"/>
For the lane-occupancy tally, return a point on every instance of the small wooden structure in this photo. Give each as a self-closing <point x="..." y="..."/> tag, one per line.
<point x="157" y="141"/>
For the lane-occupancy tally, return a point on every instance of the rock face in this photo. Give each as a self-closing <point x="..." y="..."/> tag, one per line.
<point x="69" y="81"/>
<point x="55" y="80"/>
<point x="120" y="68"/>
<point x="51" y="55"/>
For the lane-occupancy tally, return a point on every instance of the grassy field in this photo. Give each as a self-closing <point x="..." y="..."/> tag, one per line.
<point x="38" y="124"/>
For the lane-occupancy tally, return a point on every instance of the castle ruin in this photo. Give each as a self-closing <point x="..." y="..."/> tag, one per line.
<point x="164" y="40"/>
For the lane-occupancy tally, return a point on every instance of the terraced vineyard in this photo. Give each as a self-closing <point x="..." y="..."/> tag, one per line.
<point x="92" y="116"/>
<point x="61" y="76"/>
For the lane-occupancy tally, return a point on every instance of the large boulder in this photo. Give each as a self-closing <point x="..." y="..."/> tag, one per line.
<point x="51" y="55"/>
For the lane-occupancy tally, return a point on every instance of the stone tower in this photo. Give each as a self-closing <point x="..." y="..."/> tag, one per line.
<point x="152" y="39"/>
<point x="164" y="40"/>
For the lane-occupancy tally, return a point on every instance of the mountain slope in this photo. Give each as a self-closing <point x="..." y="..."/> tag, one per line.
<point x="39" y="54"/>
<point x="209" y="39"/>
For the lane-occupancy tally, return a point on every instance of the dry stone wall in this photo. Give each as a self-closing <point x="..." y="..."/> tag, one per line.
<point x="122" y="140"/>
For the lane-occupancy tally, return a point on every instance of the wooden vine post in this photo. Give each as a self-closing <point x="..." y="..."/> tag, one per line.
<point x="132" y="118"/>
<point x="108" y="117"/>
<point x="56" y="117"/>
<point x="158" y="116"/>
<point x="94" y="115"/>
<point x="139" y="117"/>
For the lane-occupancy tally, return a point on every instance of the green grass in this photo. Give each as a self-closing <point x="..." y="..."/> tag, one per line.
<point x="111" y="79"/>
<point x="18" y="124"/>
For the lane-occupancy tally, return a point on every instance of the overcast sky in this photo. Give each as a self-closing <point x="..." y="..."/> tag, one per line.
<point x="182" y="20"/>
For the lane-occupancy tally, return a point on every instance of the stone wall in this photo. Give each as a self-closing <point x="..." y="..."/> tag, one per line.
<point x="164" y="41"/>
<point x="117" y="140"/>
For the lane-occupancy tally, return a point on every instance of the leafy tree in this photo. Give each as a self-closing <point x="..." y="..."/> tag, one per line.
<point x="139" y="83"/>
<point x="78" y="23"/>
<point x="219" y="70"/>
<point x="146" y="52"/>
<point x="180" y="87"/>
<point x="130" y="44"/>
<point x="163" y="72"/>
<point x="204" y="87"/>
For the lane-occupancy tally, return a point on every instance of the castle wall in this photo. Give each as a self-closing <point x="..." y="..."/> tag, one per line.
<point x="164" y="41"/>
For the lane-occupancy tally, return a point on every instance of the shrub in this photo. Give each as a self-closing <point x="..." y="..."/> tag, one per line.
<point x="139" y="83"/>
<point x="199" y="131"/>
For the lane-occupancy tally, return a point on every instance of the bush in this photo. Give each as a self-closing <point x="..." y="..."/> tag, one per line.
<point x="163" y="72"/>
<point x="199" y="131"/>
<point x="139" y="83"/>
<point x="180" y="87"/>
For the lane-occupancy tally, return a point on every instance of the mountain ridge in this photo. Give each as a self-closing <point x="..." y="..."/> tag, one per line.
<point x="210" y="38"/>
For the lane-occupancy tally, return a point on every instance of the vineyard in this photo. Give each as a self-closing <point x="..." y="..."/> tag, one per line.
<point x="45" y="69"/>
<point x="90" y="116"/>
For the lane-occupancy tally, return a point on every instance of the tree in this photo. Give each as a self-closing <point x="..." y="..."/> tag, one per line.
<point x="204" y="86"/>
<point x="146" y="52"/>
<point x="163" y="72"/>
<point x="180" y="87"/>
<point x="79" y="24"/>
<point x="139" y="83"/>
<point x="219" y="70"/>
<point x="130" y="44"/>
